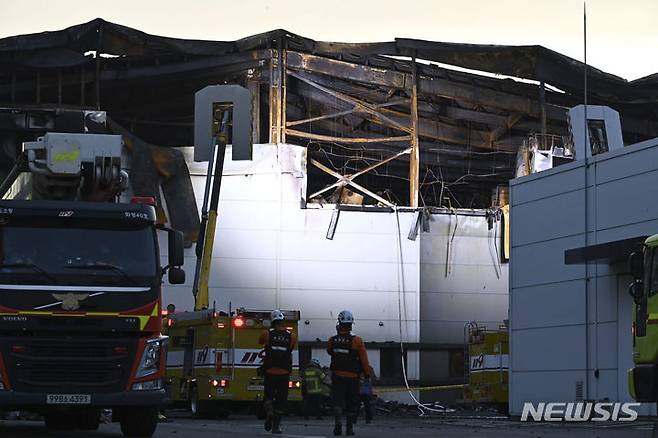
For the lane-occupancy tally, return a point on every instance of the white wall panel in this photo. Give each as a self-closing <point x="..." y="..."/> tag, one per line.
<point x="460" y="307"/>
<point x="467" y="283"/>
<point x="559" y="321"/>
<point x="549" y="305"/>
<point x="543" y="262"/>
<point x="475" y="279"/>
<point x="549" y="226"/>
<point x="269" y="252"/>
<point x="376" y="306"/>
<point x="556" y="386"/>
<point x="549" y="349"/>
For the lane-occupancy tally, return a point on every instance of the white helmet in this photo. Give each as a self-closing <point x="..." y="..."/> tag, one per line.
<point x="345" y="317"/>
<point x="277" y="315"/>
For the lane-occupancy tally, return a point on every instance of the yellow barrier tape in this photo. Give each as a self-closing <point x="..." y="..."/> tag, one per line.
<point x="385" y="389"/>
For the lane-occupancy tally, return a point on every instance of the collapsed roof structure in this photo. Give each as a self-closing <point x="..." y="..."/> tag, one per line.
<point x="398" y="115"/>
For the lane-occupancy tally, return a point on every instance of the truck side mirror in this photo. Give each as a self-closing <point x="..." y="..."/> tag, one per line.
<point x="636" y="290"/>
<point x="176" y="255"/>
<point x="176" y="275"/>
<point x="636" y="264"/>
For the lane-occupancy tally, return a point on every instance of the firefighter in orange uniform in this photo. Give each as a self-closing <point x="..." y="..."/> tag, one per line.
<point x="279" y="344"/>
<point x="349" y="359"/>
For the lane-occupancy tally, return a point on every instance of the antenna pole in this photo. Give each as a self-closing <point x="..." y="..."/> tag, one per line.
<point x="585" y="68"/>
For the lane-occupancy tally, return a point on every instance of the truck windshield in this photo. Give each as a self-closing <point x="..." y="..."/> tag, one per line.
<point x="89" y="252"/>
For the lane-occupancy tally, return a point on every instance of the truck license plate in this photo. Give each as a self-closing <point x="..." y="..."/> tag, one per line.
<point x="68" y="399"/>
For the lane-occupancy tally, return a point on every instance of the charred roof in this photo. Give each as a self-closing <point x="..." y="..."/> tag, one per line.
<point x="329" y="95"/>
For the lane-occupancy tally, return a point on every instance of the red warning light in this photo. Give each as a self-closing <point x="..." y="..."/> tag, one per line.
<point x="223" y="383"/>
<point x="148" y="200"/>
<point x="239" y="322"/>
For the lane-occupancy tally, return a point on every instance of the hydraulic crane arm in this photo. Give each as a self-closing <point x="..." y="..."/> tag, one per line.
<point x="222" y="112"/>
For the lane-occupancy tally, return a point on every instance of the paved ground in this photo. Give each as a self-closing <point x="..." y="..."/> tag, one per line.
<point x="383" y="428"/>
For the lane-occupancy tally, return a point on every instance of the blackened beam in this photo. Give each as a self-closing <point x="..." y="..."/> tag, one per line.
<point x="427" y="128"/>
<point x="365" y="106"/>
<point x="501" y="130"/>
<point x="438" y="149"/>
<point x="343" y="181"/>
<point x="329" y="138"/>
<point x="347" y="179"/>
<point x="414" y="156"/>
<point x="355" y="109"/>
<point x="430" y="151"/>
<point x="442" y="87"/>
<point x="244" y="61"/>
<point x="388" y="78"/>
<point x="449" y="111"/>
<point x="497" y="120"/>
<point x="441" y="131"/>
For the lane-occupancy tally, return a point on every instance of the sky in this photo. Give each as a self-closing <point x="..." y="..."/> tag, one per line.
<point x="622" y="35"/>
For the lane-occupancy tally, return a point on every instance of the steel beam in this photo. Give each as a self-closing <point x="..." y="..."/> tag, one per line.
<point x="329" y="138"/>
<point x="364" y="106"/>
<point x="349" y="180"/>
<point x="414" y="161"/>
<point x="426" y="85"/>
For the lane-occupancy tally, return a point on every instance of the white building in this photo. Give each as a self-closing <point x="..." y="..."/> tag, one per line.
<point x="571" y="323"/>
<point x="271" y="251"/>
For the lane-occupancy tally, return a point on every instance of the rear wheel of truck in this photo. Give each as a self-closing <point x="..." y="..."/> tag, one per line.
<point x="199" y="409"/>
<point x="139" y="422"/>
<point x="194" y="401"/>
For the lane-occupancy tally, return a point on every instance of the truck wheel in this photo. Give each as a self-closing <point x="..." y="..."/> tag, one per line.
<point x="60" y="421"/>
<point x="89" y="419"/>
<point x="194" y="401"/>
<point x="199" y="408"/>
<point x="139" y="422"/>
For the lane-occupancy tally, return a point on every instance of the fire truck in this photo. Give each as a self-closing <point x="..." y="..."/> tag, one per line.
<point x="80" y="288"/>
<point x="214" y="360"/>
<point x="643" y="377"/>
<point x="487" y="356"/>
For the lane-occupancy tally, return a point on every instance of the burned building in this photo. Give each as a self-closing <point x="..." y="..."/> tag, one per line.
<point x="421" y="133"/>
<point x="409" y="122"/>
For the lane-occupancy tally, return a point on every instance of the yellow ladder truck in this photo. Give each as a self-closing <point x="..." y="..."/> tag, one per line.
<point x="214" y="359"/>
<point x="487" y="366"/>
